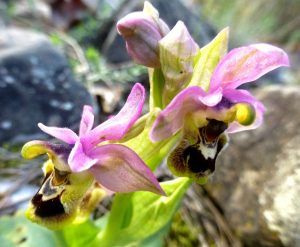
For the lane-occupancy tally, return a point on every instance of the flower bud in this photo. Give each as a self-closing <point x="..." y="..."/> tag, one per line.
<point x="142" y="31"/>
<point x="151" y="11"/>
<point x="177" y="50"/>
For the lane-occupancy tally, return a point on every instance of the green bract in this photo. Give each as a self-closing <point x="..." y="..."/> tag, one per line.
<point x="177" y="51"/>
<point x="207" y="59"/>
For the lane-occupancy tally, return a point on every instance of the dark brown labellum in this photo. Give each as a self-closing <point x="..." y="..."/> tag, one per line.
<point x="47" y="201"/>
<point x="49" y="208"/>
<point x="213" y="130"/>
<point x="199" y="158"/>
<point x="196" y="162"/>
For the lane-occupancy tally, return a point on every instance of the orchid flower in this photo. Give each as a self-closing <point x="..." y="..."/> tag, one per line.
<point x="89" y="155"/>
<point x="114" y="166"/>
<point x="205" y="116"/>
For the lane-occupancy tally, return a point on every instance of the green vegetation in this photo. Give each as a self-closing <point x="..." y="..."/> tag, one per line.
<point x="266" y="21"/>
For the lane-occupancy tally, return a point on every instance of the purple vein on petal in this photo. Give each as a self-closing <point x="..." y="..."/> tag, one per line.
<point x="246" y="64"/>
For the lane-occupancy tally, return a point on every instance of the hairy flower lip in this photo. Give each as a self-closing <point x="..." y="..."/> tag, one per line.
<point x="196" y="154"/>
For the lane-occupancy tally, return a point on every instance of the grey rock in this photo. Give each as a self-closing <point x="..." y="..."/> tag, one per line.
<point x="257" y="179"/>
<point x="36" y="85"/>
<point x="283" y="190"/>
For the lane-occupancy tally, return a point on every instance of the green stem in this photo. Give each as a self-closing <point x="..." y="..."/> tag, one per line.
<point x="157" y="83"/>
<point x="107" y="237"/>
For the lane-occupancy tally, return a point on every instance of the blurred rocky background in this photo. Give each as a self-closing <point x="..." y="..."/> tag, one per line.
<point x="57" y="55"/>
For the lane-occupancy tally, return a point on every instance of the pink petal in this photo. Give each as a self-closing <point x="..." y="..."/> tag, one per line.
<point x="172" y="118"/>
<point x="78" y="160"/>
<point x="246" y="64"/>
<point x="238" y="96"/>
<point x="63" y="134"/>
<point x="116" y="127"/>
<point x="121" y="170"/>
<point x="87" y="120"/>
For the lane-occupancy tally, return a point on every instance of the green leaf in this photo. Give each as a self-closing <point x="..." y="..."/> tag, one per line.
<point x="157" y="239"/>
<point x="77" y="235"/>
<point x="151" y="212"/>
<point x="56" y="39"/>
<point x="208" y="58"/>
<point x="18" y="231"/>
<point x="137" y="216"/>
